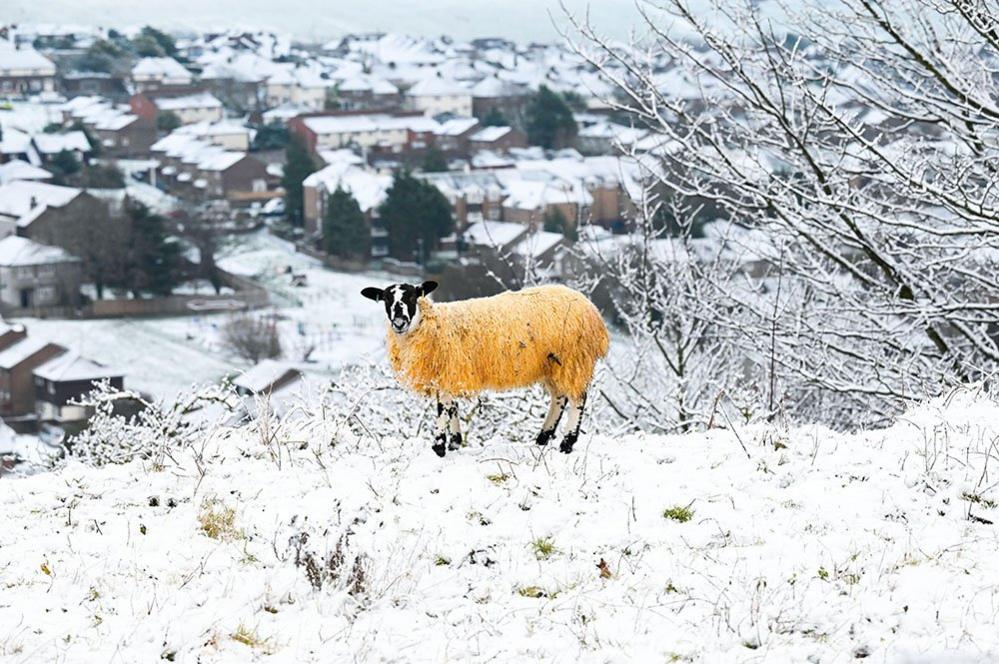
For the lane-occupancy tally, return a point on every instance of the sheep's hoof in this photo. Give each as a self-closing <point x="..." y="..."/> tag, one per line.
<point x="544" y="437"/>
<point x="567" y="443"/>
<point x="439" y="449"/>
<point x="455" y="442"/>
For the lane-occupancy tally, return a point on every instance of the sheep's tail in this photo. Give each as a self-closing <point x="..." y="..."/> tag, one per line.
<point x="585" y="341"/>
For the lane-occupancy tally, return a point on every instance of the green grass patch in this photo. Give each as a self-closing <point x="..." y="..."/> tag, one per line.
<point x="679" y="513"/>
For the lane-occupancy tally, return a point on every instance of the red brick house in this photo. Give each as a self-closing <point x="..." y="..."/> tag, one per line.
<point x="17" y="362"/>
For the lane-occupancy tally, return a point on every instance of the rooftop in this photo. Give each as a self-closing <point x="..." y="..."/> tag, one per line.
<point x="20" y="197"/>
<point x="21" y="170"/>
<point x="21" y="351"/>
<point x="16" y="251"/>
<point x="73" y="367"/>
<point x="263" y="375"/>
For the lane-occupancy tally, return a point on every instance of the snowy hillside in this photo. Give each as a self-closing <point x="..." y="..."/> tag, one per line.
<point x="303" y="543"/>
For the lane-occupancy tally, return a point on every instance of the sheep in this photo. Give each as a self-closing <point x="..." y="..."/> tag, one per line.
<point x="550" y="335"/>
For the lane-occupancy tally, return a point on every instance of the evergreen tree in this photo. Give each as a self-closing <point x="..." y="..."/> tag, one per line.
<point x="434" y="161"/>
<point x="167" y="121"/>
<point x="298" y="166"/>
<point x="555" y="222"/>
<point x="495" y="118"/>
<point x="153" y="258"/>
<point x="271" y="136"/>
<point x="100" y="57"/>
<point x="345" y="231"/>
<point x="164" y="43"/>
<point x="549" y="120"/>
<point x="64" y="166"/>
<point x="416" y="215"/>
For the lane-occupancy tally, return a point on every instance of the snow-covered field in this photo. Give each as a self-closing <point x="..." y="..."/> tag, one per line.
<point x="164" y="356"/>
<point x="801" y="545"/>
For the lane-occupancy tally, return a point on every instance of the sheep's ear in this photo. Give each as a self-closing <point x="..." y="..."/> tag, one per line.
<point x="428" y="287"/>
<point x="373" y="293"/>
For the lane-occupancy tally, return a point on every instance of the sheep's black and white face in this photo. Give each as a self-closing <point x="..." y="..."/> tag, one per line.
<point x="401" y="303"/>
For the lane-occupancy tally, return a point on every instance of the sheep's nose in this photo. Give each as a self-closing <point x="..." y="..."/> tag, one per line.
<point x="398" y="322"/>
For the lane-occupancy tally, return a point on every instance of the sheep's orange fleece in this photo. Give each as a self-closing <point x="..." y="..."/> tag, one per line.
<point x="549" y="334"/>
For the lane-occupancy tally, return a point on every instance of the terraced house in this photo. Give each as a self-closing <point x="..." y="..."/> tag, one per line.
<point x="24" y="71"/>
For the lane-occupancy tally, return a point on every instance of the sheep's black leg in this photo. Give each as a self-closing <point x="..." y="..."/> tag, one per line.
<point x="555" y="410"/>
<point x="575" y="419"/>
<point x="453" y="427"/>
<point x="440" y="427"/>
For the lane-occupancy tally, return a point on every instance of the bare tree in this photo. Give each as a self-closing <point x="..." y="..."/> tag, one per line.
<point x="253" y="337"/>
<point x="858" y="147"/>
<point x="202" y="225"/>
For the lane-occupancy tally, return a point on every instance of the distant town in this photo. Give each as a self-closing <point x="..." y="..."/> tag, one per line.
<point x="177" y="209"/>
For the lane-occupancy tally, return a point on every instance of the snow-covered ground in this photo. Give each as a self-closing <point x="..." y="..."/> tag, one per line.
<point x="801" y="545"/>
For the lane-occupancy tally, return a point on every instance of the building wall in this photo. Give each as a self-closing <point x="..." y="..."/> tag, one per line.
<point x="194" y="115"/>
<point x="513" y="139"/>
<point x="17" y="390"/>
<point x="51" y="399"/>
<point x="26" y="85"/>
<point x="133" y="140"/>
<point x="47" y="285"/>
<point x="365" y="139"/>
<point x="247" y="174"/>
<point x="606" y="206"/>
<point x="457" y="104"/>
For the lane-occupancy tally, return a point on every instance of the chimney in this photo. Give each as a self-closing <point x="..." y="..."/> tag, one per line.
<point x="32" y="203"/>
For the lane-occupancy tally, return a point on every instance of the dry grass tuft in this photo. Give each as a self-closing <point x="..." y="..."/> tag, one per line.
<point x="218" y="521"/>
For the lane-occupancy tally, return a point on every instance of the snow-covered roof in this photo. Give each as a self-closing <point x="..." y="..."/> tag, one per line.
<point x="243" y="67"/>
<point x="538" y="194"/>
<point x="74" y="141"/>
<point x="536" y="244"/>
<point x="14" y="141"/>
<point x="18" y="198"/>
<point x="342" y="155"/>
<point x="6" y="327"/>
<point x="494" y="233"/>
<point x="192" y="149"/>
<point x="613" y="132"/>
<point x="23" y="61"/>
<point x="77" y="104"/>
<point x="491" y="159"/>
<point x="368" y="189"/>
<point x="71" y="367"/>
<point x="367" y="122"/>
<point x="490" y="134"/>
<point x="197" y="100"/>
<point x="16" y="251"/>
<point x="361" y="83"/>
<point x="438" y="86"/>
<point x="220" y="161"/>
<point x="20" y="351"/>
<point x="21" y="170"/>
<point x="263" y="375"/>
<point x="493" y="86"/>
<point x="166" y="70"/>
<point x="456" y="126"/>
<point x="398" y="49"/>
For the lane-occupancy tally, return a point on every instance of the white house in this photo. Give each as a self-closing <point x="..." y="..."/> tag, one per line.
<point x="197" y="107"/>
<point x="36" y="275"/>
<point x="435" y="95"/>
<point x="152" y="73"/>
<point x="24" y="70"/>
